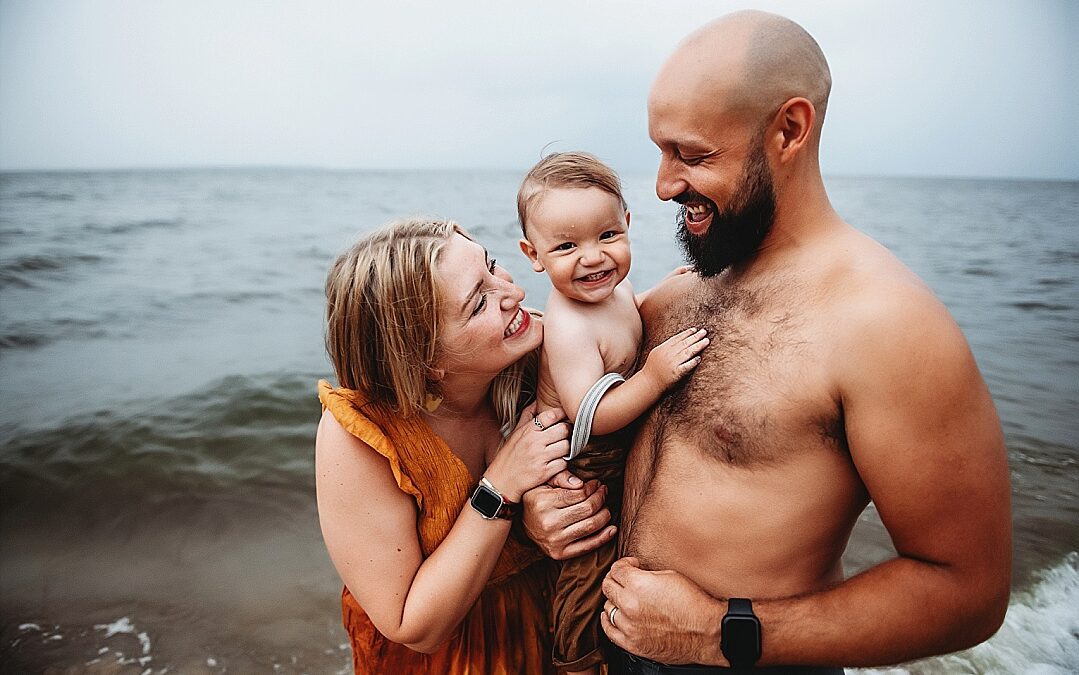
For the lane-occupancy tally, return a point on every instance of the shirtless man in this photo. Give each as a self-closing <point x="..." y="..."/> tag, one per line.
<point x="834" y="377"/>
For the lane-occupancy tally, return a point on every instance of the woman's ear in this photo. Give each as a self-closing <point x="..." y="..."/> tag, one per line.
<point x="529" y="250"/>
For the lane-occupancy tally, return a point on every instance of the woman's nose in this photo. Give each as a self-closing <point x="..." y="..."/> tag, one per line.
<point x="512" y="295"/>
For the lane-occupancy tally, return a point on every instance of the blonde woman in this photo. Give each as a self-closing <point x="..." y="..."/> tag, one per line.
<point x="417" y="483"/>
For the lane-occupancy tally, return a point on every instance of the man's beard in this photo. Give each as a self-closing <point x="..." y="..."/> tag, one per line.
<point x="735" y="234"/>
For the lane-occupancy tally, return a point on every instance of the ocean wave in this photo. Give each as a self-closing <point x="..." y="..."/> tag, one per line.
<point x="240" y="430"/>
<point x="135" y="225"/>
<point x="24" y="271"/>
<point x="1035" y="305"/>
<point x="1040" y="633"/>
<point x="35" y="334"/>
<point x="46" y="195"/>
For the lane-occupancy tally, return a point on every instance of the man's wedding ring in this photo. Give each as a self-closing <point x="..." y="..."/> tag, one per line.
<point x="610" y="615"/>
<point x="539" y="425"/>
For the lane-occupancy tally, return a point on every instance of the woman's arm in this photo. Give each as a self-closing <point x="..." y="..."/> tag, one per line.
<point x="369" y="526"/>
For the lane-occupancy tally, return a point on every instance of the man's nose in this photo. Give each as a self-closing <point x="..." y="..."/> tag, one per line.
<point x="669" y="181"/>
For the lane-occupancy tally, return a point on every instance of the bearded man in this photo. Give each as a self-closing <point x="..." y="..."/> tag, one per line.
<point x="834" y="377"/>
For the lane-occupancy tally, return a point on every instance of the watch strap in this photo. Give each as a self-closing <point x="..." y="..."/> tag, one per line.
<point x="740" y="607"/>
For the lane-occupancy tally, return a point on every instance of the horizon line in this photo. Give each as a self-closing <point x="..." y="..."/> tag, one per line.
<point x="360" y="169"/>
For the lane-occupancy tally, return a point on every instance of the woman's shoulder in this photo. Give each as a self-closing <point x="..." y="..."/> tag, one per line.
<point x="348" y="432"/>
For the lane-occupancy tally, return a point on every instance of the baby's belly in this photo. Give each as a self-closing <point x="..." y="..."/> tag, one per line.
<point x="763" y="532"/>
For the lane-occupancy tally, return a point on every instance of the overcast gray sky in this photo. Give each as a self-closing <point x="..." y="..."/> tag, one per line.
<point x="935" y="88"/>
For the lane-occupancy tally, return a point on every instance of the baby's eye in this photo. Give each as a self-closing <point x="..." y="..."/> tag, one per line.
<point x="492" y="265"/>
<point x="608" y="234"/>
<point x="564" y="246"/>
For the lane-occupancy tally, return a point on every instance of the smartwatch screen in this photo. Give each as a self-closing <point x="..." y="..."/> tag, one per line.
<point x="486" y="502"/>
<point x="740" y="642"/>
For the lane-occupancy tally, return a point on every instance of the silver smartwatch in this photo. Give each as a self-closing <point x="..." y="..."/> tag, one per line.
<point x="490" y="503"/>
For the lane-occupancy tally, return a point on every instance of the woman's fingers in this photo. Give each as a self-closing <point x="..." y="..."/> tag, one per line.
<point x="558" y="449"/>
<point x="554" y="466"/>
<point x="549" y="417"/>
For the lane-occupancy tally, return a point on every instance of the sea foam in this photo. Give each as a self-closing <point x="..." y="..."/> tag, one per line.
<point x="1040" y="635"/>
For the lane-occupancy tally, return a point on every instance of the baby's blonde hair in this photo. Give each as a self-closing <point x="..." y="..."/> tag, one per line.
<point x="566" y="170"/>
<point x="383" y="318"/>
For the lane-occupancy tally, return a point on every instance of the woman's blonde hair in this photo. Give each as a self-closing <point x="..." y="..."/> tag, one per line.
<point x="383" y="318"/>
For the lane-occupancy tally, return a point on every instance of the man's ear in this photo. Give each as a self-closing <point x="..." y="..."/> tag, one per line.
<point x="529" y="250"/>
<point x="793" y="127"/>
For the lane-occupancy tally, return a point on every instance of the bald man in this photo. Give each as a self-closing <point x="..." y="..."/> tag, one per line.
<point x="834" y="377"/>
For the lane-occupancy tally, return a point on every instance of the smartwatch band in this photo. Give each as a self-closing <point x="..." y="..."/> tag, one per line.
<point x="740" y="607"/>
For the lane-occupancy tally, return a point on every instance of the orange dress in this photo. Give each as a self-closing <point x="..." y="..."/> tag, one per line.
<point x="507" y="631"/>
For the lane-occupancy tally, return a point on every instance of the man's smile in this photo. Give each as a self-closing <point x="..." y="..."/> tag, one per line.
<point x="698" y="211"/>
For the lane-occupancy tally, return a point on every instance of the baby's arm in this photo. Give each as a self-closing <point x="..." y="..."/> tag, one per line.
<point x="576" y="364"/>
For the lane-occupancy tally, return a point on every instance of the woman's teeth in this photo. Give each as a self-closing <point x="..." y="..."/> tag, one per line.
<point x="515" y="324"/>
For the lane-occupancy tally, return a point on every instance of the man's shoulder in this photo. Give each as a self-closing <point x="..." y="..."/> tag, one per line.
<point x="881" y="311"/>
<point x="867" y="283"/>
<point x="669" y="292"/>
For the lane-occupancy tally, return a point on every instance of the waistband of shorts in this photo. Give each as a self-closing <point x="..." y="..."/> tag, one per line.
<point x="625" y="663"/>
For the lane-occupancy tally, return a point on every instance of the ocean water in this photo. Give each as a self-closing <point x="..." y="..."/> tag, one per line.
<point x="160" y="340"/>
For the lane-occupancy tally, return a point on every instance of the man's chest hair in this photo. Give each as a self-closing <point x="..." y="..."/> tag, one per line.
<point x="759" y="392"/>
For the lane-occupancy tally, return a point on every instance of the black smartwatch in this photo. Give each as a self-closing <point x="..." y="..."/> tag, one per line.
<point x="740" y="639"/>
<point x="490" y="503"/>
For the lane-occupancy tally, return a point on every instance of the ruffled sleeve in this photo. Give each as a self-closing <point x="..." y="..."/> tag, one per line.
<point x="346" y="406"/>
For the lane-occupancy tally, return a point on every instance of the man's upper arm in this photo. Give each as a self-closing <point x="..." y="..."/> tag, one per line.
<point x="925" y="437"/>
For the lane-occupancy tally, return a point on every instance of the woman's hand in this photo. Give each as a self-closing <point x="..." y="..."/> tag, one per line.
<point x="532" y="454"/>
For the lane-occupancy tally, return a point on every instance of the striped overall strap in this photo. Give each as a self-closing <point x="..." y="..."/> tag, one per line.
<point x="582" y="429"/>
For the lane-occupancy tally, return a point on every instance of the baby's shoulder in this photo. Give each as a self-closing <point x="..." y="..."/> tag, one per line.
<point x="565" y="317"/>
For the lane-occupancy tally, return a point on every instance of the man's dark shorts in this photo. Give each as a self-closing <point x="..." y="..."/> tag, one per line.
<point x="624" y="663"/>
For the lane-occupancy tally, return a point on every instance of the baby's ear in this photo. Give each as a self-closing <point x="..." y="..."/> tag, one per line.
<point x="627" y="218"/>
<point x="529" y="250"/>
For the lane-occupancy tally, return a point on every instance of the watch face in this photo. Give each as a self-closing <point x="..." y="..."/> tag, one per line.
<point x="741" y="639"/>
<point x="486" y="501"/>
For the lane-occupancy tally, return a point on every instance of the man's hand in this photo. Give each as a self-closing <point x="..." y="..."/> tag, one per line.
<point x="661" y="616"/>
<point x="565" y="521"/>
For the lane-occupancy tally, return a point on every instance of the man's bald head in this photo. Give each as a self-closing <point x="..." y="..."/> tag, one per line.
<point x="750" y="62"/>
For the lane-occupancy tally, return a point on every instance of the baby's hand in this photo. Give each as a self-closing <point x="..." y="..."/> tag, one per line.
<point x="681" y="269"/>
<point x="673" y="358"/>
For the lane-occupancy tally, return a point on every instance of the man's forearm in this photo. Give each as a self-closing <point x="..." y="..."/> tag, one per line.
<point x="900" y="610"/>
